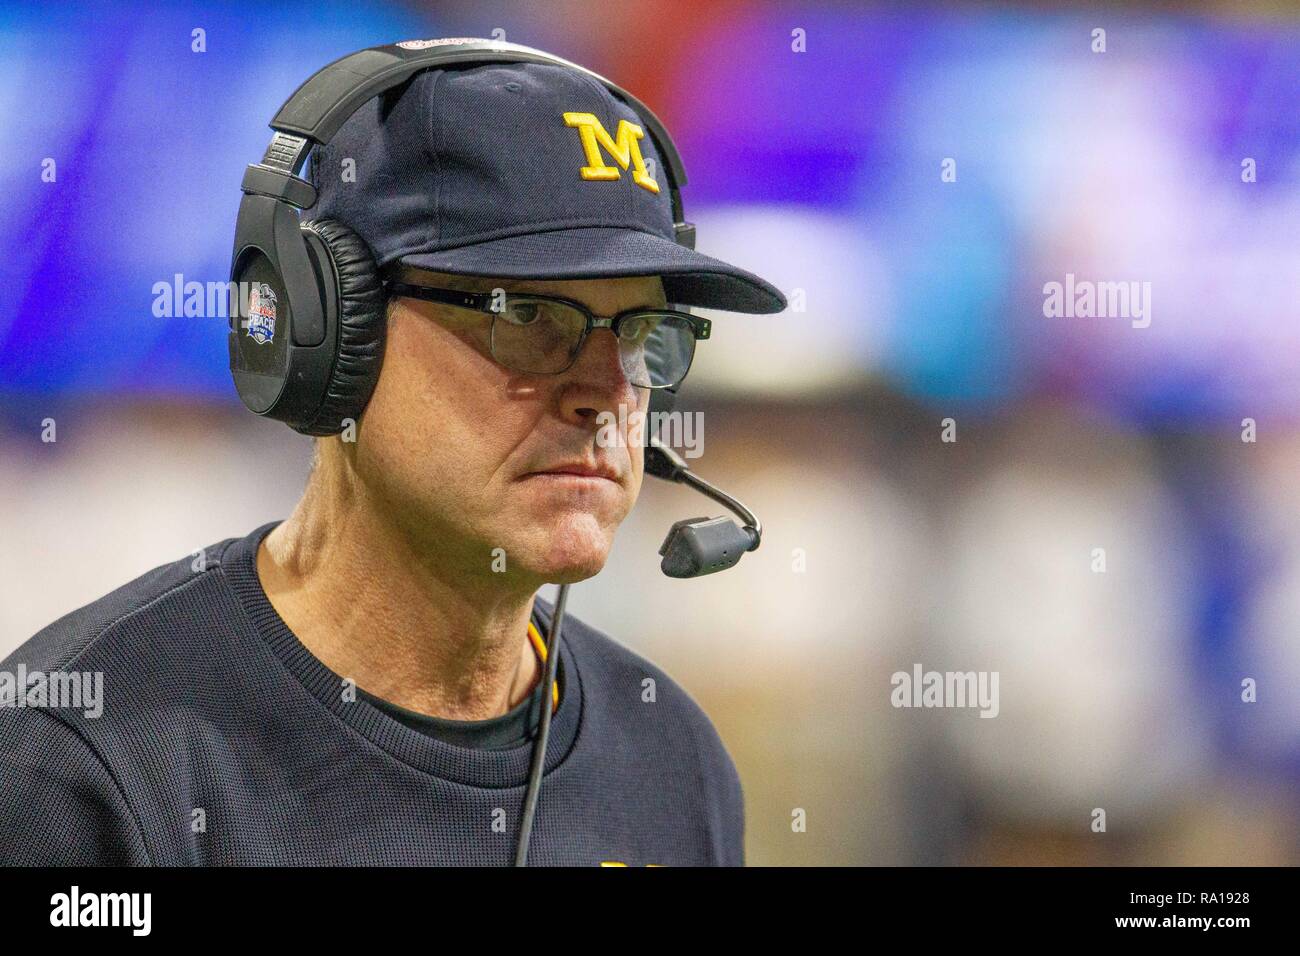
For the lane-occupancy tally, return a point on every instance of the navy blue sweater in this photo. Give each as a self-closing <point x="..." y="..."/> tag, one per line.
<point x="223" y="740"/>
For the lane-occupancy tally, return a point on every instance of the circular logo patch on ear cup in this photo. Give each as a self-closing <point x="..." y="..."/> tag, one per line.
<point x="258" y="333"/>
<point x="260" y="320"/>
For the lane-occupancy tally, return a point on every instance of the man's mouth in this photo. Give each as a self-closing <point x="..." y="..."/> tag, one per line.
<point x="576" y="471"/>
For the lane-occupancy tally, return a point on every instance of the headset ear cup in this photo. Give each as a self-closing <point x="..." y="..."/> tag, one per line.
<point x="361" y="325"/>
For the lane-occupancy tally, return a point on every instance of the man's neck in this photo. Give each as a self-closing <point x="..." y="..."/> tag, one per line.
<point x="376" y="607"/>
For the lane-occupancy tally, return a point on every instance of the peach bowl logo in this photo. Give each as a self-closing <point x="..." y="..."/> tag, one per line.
<point x="261" y="314"/>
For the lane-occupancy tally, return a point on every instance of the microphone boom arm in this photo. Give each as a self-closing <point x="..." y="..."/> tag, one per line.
<point x="697" y="546"/>
<point x="753" y="527"/>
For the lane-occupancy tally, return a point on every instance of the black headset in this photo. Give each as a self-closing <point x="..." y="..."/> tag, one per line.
<point x="311" y="290"/>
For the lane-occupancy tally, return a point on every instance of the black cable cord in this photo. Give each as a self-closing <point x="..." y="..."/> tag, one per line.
<point x="544" y="728"/>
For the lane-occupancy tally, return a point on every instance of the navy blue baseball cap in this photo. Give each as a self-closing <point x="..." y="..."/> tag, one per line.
<point x="518" y="171"/>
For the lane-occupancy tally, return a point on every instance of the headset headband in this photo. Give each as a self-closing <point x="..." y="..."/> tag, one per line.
<point x="323" y="103"/>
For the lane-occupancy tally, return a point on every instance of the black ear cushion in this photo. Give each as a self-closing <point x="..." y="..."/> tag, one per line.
<point x="361" y="328"/>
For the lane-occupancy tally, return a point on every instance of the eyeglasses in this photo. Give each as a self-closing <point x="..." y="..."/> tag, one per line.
<point x="542" y="334"/>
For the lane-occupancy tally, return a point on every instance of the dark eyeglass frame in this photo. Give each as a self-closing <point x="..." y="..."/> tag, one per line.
<point x="482" y="302"/>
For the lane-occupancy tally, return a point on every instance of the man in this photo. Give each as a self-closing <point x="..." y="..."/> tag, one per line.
<point x="361" y="683"/>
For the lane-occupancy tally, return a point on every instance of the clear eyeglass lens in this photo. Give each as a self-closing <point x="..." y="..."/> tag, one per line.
<point x="663" y="349"/>
<point x="536" y="336"/>
<point x="542" y="337"/>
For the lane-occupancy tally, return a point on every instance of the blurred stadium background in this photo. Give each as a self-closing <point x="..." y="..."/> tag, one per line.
<point x="918" y="300"/>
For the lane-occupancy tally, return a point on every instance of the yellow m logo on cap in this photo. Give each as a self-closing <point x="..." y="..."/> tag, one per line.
<point x="625" y="150"/>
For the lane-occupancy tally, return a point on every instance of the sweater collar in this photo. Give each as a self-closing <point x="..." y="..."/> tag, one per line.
<point x="479" y="768"/>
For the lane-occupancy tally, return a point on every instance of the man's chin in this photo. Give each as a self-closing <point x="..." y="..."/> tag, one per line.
<point x="568" y="551"/>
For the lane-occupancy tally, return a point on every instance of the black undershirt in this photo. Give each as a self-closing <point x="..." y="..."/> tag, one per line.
<point x="511" y="729"/>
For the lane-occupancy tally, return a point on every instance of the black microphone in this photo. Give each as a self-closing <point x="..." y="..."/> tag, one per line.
<point x="698" y="546"/>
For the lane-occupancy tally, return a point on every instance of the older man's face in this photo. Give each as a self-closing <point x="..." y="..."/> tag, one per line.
<point x="459" y="446"/>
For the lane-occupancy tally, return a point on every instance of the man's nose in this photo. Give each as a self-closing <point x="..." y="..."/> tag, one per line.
<point x="597" y="382"/>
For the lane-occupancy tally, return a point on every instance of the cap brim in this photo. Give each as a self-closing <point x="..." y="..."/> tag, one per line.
<point x="690" y="277"/>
